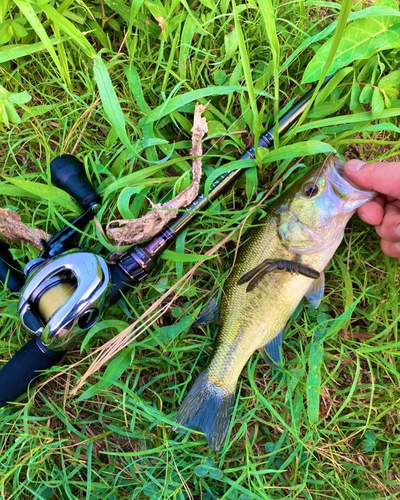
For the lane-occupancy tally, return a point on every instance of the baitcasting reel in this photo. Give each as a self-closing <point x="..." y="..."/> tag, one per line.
<point x="65" y="290"/>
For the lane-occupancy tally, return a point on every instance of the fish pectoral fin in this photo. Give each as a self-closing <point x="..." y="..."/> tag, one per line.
<point x="269" y="265"/>
<point x="272" y="351"/>
<point x="316" y="291"/>
<point x="209" y="313"/>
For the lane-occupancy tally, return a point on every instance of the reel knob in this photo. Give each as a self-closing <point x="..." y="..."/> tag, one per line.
<point x="68" y="174"/>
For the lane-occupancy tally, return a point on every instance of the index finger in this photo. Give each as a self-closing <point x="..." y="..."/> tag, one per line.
<point x="383" y="177"/>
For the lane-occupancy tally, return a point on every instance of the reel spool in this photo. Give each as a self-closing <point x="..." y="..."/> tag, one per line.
<point x="63" y="297"/>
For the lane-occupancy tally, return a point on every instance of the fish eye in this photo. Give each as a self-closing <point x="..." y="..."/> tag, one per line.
<point x="310" y="190"/>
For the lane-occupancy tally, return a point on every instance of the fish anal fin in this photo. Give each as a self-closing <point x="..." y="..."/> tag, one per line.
<point x="209" y="313"/>
<point x="208" y="408"/>
<point x="272" y="351"/>
<point x="316" y="291"/>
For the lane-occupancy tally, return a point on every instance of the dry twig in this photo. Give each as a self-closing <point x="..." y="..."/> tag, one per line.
<point x="129" y="232"/>
<point x="13" y="229"/>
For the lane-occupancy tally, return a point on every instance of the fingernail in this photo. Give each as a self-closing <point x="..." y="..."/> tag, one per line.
<point x="398" y="229"/>
<point x="354" y="165"/>
<point x="397" y="247"/>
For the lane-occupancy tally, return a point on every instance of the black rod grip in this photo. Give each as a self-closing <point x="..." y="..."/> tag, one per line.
<point x="9" y="274"/>
<point x="23" y="367"/>
<point x="68" y="173"/>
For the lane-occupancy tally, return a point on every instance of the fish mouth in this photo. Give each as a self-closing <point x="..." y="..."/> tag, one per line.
<point x="354" y="196"/>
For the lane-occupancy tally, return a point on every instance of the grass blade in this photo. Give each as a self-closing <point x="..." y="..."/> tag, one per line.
<point x="67" y="27"/>
<point x="315" y="360"/>
<point x="246" y="66"/>
<point x="110" y="102"/>
<point x="28" y="11"/>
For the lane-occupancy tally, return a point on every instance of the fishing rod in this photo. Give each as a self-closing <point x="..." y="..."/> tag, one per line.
<point x="65" y="289"/>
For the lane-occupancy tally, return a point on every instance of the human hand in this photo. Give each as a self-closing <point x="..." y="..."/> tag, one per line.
<point x="383" y="211"/>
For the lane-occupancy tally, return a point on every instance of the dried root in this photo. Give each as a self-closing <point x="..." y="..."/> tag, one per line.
<point x="12" y="228"/>
<point x="129" y="232"/>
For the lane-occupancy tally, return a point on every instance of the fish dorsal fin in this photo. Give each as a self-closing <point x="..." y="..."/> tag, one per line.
<point x="209" y="313"/>
<point x="316" y="291"/>
<point x="272" y="350"/>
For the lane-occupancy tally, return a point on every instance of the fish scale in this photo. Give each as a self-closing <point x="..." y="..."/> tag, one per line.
<point x="303" y="228"/>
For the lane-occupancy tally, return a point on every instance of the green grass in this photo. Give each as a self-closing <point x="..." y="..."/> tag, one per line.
<point x="107" y="83"/>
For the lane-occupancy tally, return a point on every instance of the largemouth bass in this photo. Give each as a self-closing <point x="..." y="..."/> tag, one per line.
<point x="282" y="261"/>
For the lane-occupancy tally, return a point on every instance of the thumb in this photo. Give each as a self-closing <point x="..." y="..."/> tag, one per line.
<point x="382" y="177"/>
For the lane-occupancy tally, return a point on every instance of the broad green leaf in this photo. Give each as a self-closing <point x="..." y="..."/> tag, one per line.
<point x="366" y="94"/>
<point x="6" y="32"/>
<point x="201" y="471"/>
<point x="110" y="101"/>
<point x="377" y="104"/>
<point x="368" y="69"/>
<point x="387" y="3"/>
<point x="28" y="11"/>
<point x="19" y="97"/>
<point x="174" y="103"/>
<point x="369" y="441"/>
<point x="219" y="77"/>
<point x="325" y="64"/>
<point x="367" y="13"/>
<point x="354" y="96"/>
<point x="390" y="80"/>
<point x="360" y="40"/>
<point x="12" y="114"/>
<point x="231" y="44"/>
<point x="68" y="28"/>
<point x="313" y="386"/>
<point x="47" y="192"/>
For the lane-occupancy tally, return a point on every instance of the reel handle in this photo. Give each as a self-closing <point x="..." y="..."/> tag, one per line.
<point x="68" y="174"/>
<point x="9" y="275"/>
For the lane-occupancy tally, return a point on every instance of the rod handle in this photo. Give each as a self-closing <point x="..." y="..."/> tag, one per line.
<point x="23" y="367"/>
<point x="68" y="173"/>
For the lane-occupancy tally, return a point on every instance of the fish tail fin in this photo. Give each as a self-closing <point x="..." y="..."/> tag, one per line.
<point x="208" y="408"/>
